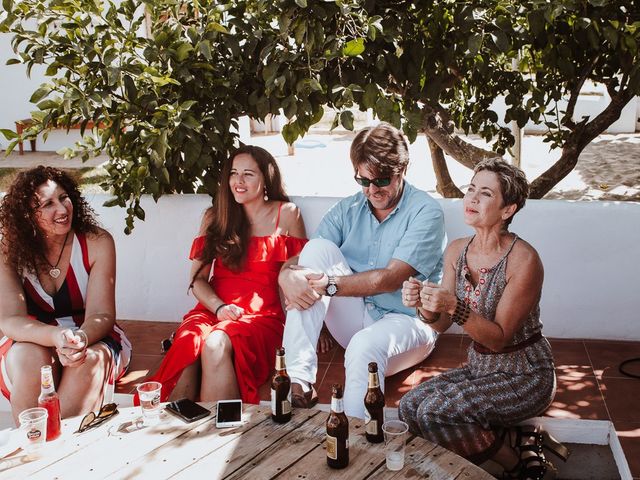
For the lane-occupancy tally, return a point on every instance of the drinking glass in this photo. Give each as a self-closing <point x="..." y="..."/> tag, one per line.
<point x="395" y="433"/>
<point x="149" y="393"/>
<point x="33" y="428"/>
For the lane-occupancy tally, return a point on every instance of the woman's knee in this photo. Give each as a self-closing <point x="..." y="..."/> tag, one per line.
<point x="217" y="347"/>
<point x="27" y="357"/>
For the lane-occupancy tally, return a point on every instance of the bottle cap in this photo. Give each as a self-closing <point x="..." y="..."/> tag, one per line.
<point x="373" y="367"/>
<point x="280" y="351"/>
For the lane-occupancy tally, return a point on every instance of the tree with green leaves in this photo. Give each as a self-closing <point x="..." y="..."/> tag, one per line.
<point x="164" y="103"/>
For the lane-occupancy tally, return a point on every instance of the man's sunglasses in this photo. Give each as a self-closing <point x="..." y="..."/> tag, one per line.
<point x="92" y="420"/>
<point x="378" y="182"/>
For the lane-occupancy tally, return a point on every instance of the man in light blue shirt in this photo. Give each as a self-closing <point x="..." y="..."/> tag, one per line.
<point x="350" y="274"/>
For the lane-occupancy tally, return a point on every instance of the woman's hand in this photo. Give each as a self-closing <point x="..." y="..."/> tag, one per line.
<point x="230" y="312"/>
<point x="437" y="299"/>
<point x="411" y="293"/>
<point x="71" y="346"/>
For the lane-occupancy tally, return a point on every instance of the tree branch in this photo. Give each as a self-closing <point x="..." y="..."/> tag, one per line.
<point x="444" y="184"/>
<point x="438" y="127"/>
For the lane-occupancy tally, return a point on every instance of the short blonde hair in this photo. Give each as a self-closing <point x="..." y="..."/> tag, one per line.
<point x="513" y="183"/>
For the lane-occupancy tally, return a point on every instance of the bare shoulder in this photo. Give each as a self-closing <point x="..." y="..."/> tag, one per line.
<point x="524" y="257"/>
<point x="100" y="239"/>
<point x="455" y="248"/>
<point x="290" y="218"/>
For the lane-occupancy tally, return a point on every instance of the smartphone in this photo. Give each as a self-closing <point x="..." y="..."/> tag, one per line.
<point x="187" y="410"/>
<point x="229" y="413"/>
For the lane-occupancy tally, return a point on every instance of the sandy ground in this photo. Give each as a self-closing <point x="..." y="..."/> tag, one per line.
<point x="608" y="169"/>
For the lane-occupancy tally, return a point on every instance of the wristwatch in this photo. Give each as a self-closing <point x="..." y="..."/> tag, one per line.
<point x="332" y="288"/>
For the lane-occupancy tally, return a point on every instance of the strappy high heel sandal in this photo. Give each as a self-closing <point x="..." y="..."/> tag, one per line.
<point x="527" y="443"/>
<point x="527" y="434"/>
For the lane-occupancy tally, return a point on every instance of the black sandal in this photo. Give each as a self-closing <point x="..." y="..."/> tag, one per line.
<point x="540" y="437"/>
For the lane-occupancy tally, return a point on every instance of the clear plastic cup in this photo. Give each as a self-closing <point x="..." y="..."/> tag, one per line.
<point x="149" y="393"/>
<point x="395" y="437"/>
<point x="33" y="428"/>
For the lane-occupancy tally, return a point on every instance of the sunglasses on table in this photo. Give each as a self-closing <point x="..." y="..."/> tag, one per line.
<point x="91" y="420"/>
<point x="378" y="182"/>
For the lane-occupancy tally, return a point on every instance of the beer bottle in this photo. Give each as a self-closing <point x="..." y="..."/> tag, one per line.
<point x="49" y="399"/>
<point x="280" y="391"/>
<point x="374" y="407"/>
<point x="337" y="431"/>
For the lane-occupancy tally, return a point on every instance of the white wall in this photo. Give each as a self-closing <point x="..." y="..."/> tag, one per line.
<point x="590" y="252"/>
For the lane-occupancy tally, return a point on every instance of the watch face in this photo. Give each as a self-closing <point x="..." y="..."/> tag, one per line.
<point x="331" y="289"/>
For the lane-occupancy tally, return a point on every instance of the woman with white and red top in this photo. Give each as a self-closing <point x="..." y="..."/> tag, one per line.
<point x="58" y="295"/>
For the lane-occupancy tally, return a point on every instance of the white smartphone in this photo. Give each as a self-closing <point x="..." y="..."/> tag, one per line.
<point x="229" y="413"/>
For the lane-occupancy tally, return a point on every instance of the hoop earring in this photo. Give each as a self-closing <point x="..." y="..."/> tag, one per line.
<point x="266" y="197"/>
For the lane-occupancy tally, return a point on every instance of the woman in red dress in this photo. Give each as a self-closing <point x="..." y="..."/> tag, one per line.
<point x="225" y="347"/>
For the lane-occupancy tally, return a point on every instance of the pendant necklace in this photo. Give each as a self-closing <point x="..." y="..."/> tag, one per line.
<point x="54" y="272"/>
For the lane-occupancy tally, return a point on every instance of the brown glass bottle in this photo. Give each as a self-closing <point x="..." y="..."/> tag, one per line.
<point x="280" y="391"/>
<point x="337" y="431"/>
<point x="374" y="407"/>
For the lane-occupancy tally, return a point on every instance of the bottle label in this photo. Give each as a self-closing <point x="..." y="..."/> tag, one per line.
<point x="373" y="380"/>
<point x="332" y="447"/>
<point x="337" y="405"/>
<point x="280" y="363"/>
<point x="286" y="404"/>
<point x="273" y="401"/>
<point x="371" y="427"/>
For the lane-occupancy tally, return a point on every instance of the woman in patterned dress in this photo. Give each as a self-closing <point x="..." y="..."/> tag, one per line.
<point x="57" y="277"/>
<point x="225" y="347"/>
<point x="491" y="287"/>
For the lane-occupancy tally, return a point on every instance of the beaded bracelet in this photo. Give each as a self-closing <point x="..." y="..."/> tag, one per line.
<point x="219" y="307"/>
<point x="461" y="313"/>
<point x="426" y="320"/>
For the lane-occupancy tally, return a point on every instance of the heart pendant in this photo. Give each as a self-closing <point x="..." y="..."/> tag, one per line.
<point x="54" y="272"/>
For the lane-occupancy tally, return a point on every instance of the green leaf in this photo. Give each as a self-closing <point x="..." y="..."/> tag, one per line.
<point x="301" y="3"/>
<point x="474" y="43"/>
<point x="7" y="5"/>
<point x="346" y="119"/>
<point x="39" y="94"/>
<point x="353" y="48"/>
<point x="215" y="26"/>
<point x="13" y="61"/>
<point x="183" y="51"/>
<point x="8" y="134"/>
<point x="290" y="132"/>
<point x="205" y="49"/>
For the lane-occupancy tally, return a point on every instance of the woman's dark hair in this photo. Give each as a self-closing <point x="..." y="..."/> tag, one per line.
<point x="227" y="236"/>
<point x="23" y="243"/>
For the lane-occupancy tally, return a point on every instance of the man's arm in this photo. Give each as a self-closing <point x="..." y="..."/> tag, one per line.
<point x="372" y="282"/>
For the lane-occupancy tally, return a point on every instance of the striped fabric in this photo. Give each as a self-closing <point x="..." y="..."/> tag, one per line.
<point x="66" y="308"/>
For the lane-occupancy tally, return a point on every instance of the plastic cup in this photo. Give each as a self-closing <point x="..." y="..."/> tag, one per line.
<point x="149" y="393"/>
<point x="395" y="433"/>
<point x="33" y="427"/>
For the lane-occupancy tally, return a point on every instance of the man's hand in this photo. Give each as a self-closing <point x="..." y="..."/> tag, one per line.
<point x="294" y="281"/>
<point x="319" y="282"/>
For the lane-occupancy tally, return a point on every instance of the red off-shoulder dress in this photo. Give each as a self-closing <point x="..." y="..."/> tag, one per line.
<point x="256" y="335"/>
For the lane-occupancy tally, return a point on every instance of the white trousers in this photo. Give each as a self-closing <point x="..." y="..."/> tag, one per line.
<point x="395" y="341"/>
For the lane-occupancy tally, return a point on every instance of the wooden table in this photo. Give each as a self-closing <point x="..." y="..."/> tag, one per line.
<point x="260" y="449"/>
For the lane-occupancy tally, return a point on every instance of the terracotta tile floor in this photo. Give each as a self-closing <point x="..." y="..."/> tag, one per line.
<point x="589" y="383"/>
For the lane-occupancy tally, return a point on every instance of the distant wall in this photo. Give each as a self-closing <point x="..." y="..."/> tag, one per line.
<point x="590" y="252"/>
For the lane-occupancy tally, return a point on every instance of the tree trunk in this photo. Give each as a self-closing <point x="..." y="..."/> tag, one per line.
<point x="444" y="184"/>
<point x="576" y="143"/>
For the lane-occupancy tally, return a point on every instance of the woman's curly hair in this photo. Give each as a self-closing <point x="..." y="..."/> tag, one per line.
<point x="23" y="243"/>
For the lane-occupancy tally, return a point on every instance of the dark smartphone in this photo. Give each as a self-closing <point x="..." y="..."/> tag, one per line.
<point x="187" y="410"/>
<point x="229" y="413"/>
